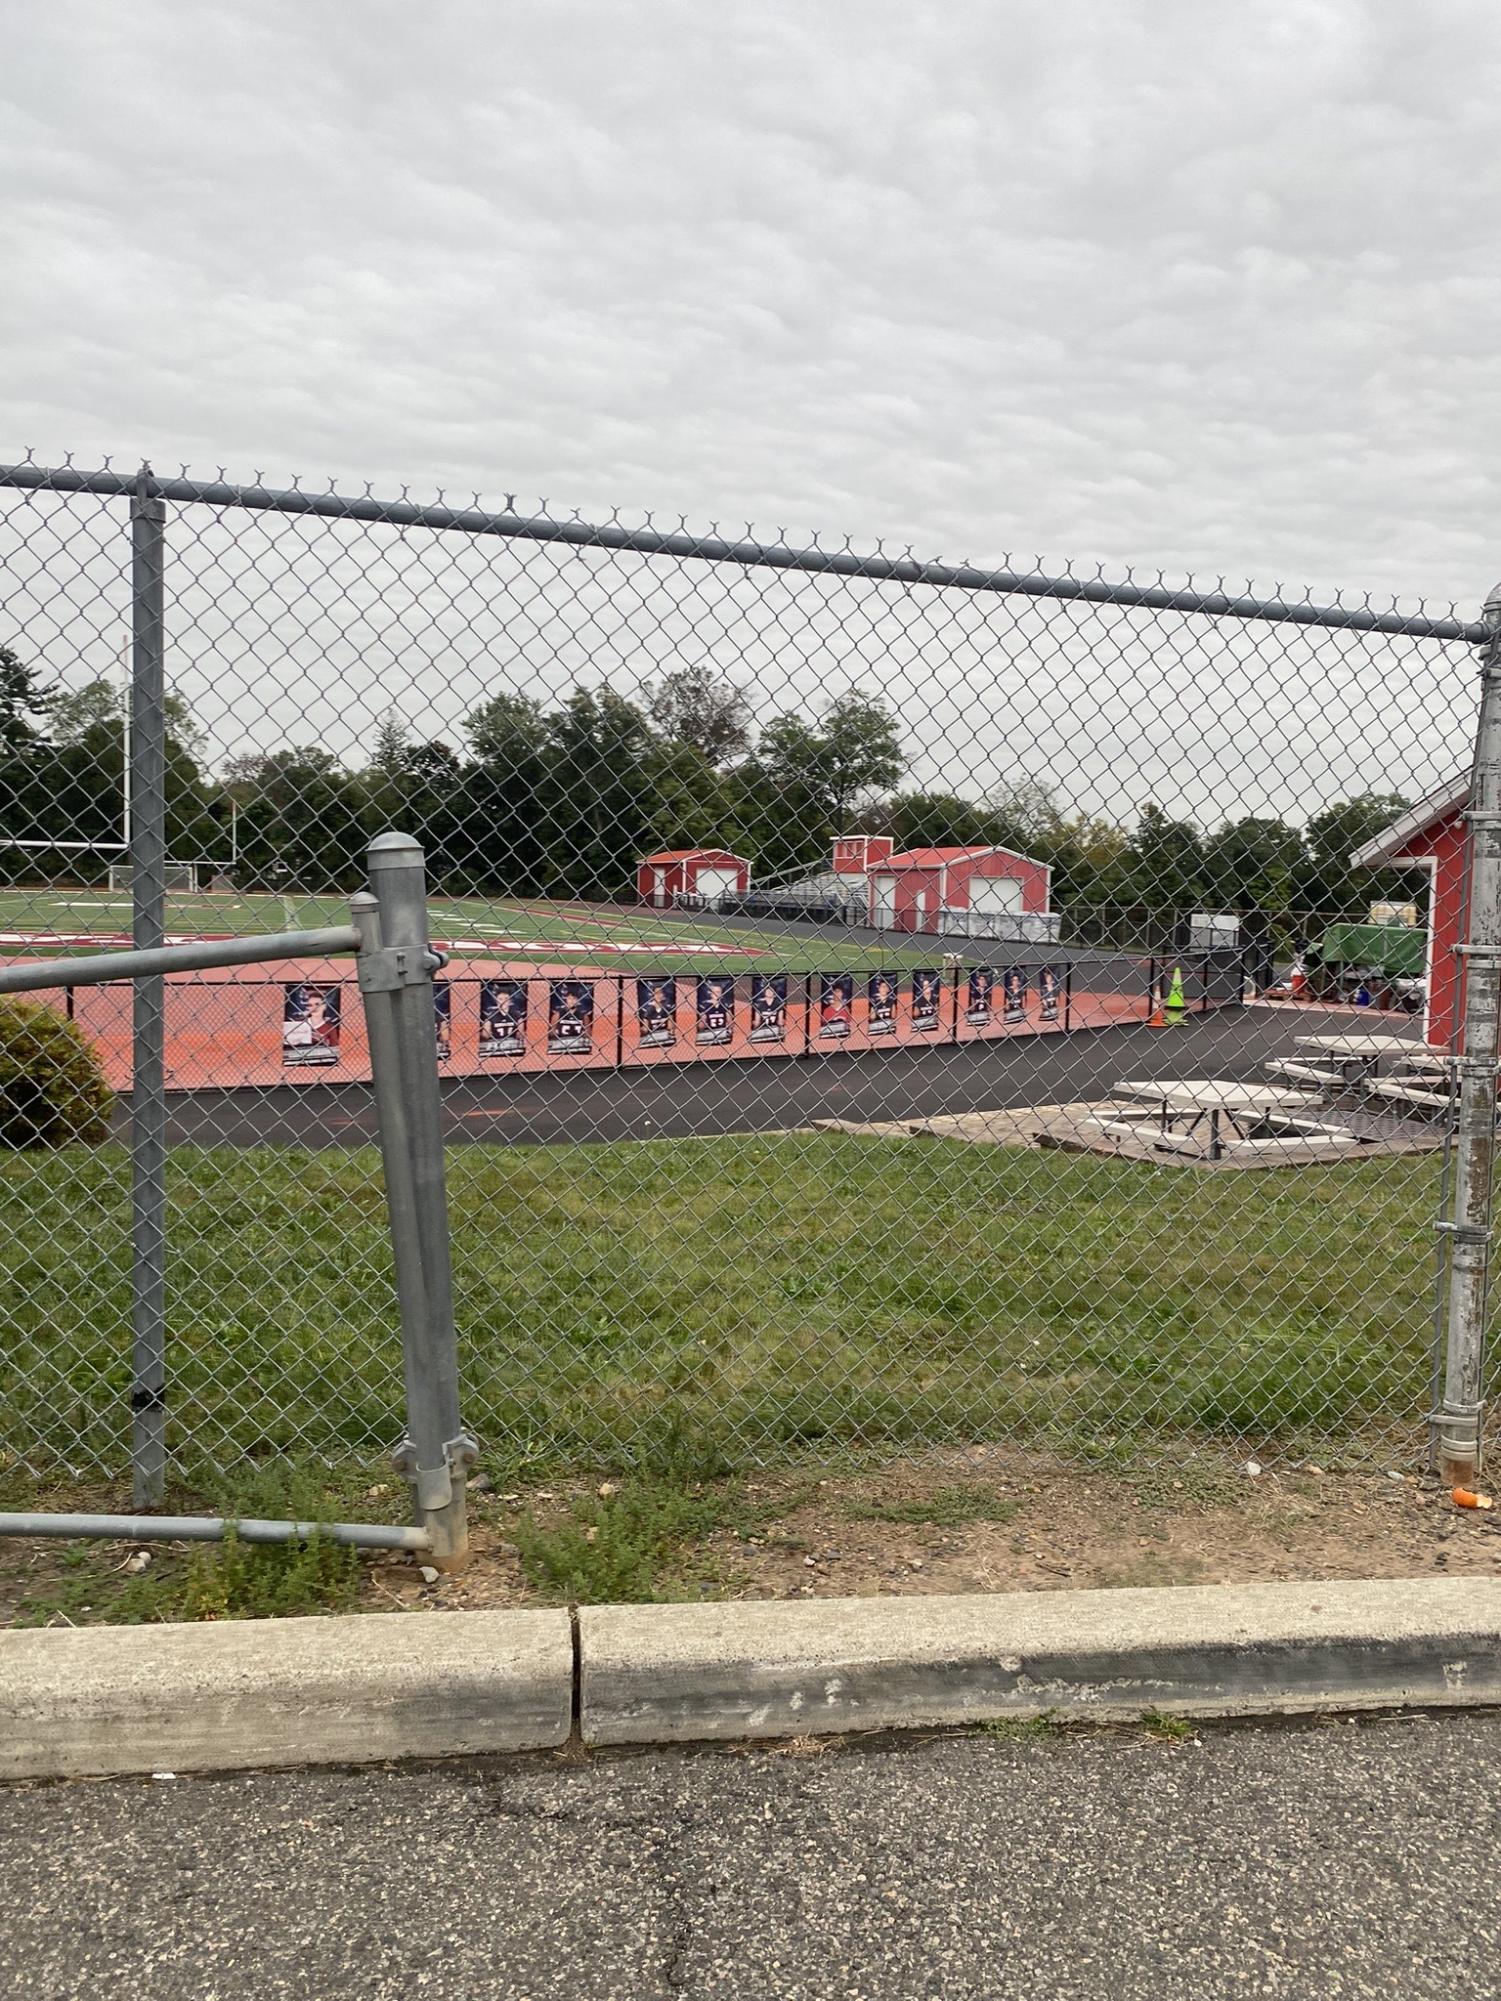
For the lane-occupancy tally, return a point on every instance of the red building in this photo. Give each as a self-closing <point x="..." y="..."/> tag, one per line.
<point x="704" y="872"/>
<point x="911" y="890"/>
<point x="1433" y="835"/>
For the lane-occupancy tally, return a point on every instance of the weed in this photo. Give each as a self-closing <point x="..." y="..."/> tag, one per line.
<point x="1168" y="1729"/>
<point x="227" y="1580"/>
<point x="630" y="1548"/>
<point x="1024" y="1729"/>
<point x="947" y="1508"/>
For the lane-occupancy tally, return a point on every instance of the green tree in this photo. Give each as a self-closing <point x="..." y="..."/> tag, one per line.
<point x="21" y="698"/>
<point x="303" y="820"/>
<point x="813" y="774"/>
<point x="596" y="794"/>
<point x="1327" y="886"/>
<point x="702" y="709"/>
<point x="1252" y="864"/>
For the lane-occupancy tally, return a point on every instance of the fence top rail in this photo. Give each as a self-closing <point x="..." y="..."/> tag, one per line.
<point x="647" y="540"/>
<point x="100" y="968"/>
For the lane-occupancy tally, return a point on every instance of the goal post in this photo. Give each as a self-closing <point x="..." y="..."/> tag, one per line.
<point x="180" y="877"/>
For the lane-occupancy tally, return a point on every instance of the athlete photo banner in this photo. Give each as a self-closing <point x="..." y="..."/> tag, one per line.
<point x="836" y="1005"/>
<point x="981" y="994"/>
<point x="1014" y="992"/>
<point x="502" y="1017"/>
<point x="926" y="987"/>
<point x="880" y="1016"/>
<point x="656" y="1013"/>
<point x="1048" y="984"/>
<point x="715" y="1012"/>
<point x="768" y="1007"/>
<point x="443" y="1018"/>
<point x="570" y="1017"/>
<point x="311" y="1017"/>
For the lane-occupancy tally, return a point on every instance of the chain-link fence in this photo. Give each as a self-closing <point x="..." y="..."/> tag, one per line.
<point x="887" y="1003"/>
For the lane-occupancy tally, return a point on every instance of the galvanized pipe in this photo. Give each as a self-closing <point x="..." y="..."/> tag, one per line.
<point x="212" y="1528"/>
<point x="146" y="794"/>
<point x="748" y="554"/>
<point x="1459" y="1417"/>
<point x="396" y="980"/>
<point x="99" y="968"/>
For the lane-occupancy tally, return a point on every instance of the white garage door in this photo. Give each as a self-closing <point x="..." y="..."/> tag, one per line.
<point x="993" y="893"/>
<point x="713" y="882"/>
<point x="885" y="905"/>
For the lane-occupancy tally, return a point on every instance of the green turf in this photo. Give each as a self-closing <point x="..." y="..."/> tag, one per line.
<point x="587" y="931"/>
<point x="753" y="1296"/>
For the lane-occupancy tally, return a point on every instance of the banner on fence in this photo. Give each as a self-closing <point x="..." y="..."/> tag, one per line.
<point x="836" y="1005"/>
<point x="768" y="1007"/>
<point x="1014" y="994"/>
<point x="443" y="1018"/>
<point x="502" y="1017"/>
<point x="311" y="1018"/>
<point x="656" y="1013"/>
<point x="880" y="1016"/>
<point x="570" y="1017"/>
<point x="715" y="1023"/>
<point x="926" y="988"/>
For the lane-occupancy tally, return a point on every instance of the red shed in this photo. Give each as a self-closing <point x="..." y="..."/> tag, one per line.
<point x="706" y="872"/>
<point x="1433" y="835"/>
<point x="910" y="891"/>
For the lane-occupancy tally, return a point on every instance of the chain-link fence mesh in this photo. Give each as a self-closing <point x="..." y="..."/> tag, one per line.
<point x="884" y="1004"/>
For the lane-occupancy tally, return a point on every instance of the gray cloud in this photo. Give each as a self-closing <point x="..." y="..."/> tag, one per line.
<point x="1119" y="281"/>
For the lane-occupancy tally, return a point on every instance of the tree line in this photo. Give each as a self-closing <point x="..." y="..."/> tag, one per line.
<point x="562" y="801"/>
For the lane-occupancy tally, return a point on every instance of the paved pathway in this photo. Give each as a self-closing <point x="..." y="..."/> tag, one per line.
<point x="1334" y="1860"/>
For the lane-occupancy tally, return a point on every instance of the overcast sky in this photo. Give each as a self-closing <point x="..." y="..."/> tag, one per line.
<point x="1205" y="288"/>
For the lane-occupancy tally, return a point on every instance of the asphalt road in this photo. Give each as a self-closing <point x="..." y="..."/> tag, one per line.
<point x="668" y="1101"/>
<point x="1335" y="1860"/>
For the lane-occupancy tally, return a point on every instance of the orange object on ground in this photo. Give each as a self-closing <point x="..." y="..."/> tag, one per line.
<point x="1465" y="1497"/>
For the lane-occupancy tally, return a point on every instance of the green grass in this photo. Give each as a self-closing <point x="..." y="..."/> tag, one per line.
<point x="689" y="1305"/>
<point x="624" y="936"/>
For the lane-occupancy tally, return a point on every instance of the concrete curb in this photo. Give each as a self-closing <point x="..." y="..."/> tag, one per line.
<point x="101" y="1700"/>
<point x="675" y="1673"/>
<point x="109" y="1700"/>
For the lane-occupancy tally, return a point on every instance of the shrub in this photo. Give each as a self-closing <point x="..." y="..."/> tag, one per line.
<point x="52" y="1089"/>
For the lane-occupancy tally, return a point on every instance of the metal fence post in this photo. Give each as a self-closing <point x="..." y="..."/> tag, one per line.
<point x="146" y="791"/>
<point x="396" y="981"/>
<point x="1459" y="1417"/>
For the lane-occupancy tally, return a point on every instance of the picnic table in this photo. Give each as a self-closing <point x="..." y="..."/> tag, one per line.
<point x="1360" y="1055"/>
<point x="1191" y="1101"/>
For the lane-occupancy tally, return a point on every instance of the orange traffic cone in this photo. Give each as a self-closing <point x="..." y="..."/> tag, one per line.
<point x="1157" y="1018"/>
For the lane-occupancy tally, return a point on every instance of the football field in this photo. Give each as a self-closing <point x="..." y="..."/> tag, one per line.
<point x="607" y="937"/>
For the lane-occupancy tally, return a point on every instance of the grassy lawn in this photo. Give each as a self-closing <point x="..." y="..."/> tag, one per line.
<point x="622" y="938"/>
<point x="719" y="1301"/>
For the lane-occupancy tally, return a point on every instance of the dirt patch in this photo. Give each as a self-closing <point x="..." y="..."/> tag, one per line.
<point x="983" y="1518"/>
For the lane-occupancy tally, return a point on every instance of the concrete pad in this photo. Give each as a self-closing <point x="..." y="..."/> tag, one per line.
<point x="197" y="1698"/>
<point x="673" y="1673"/>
